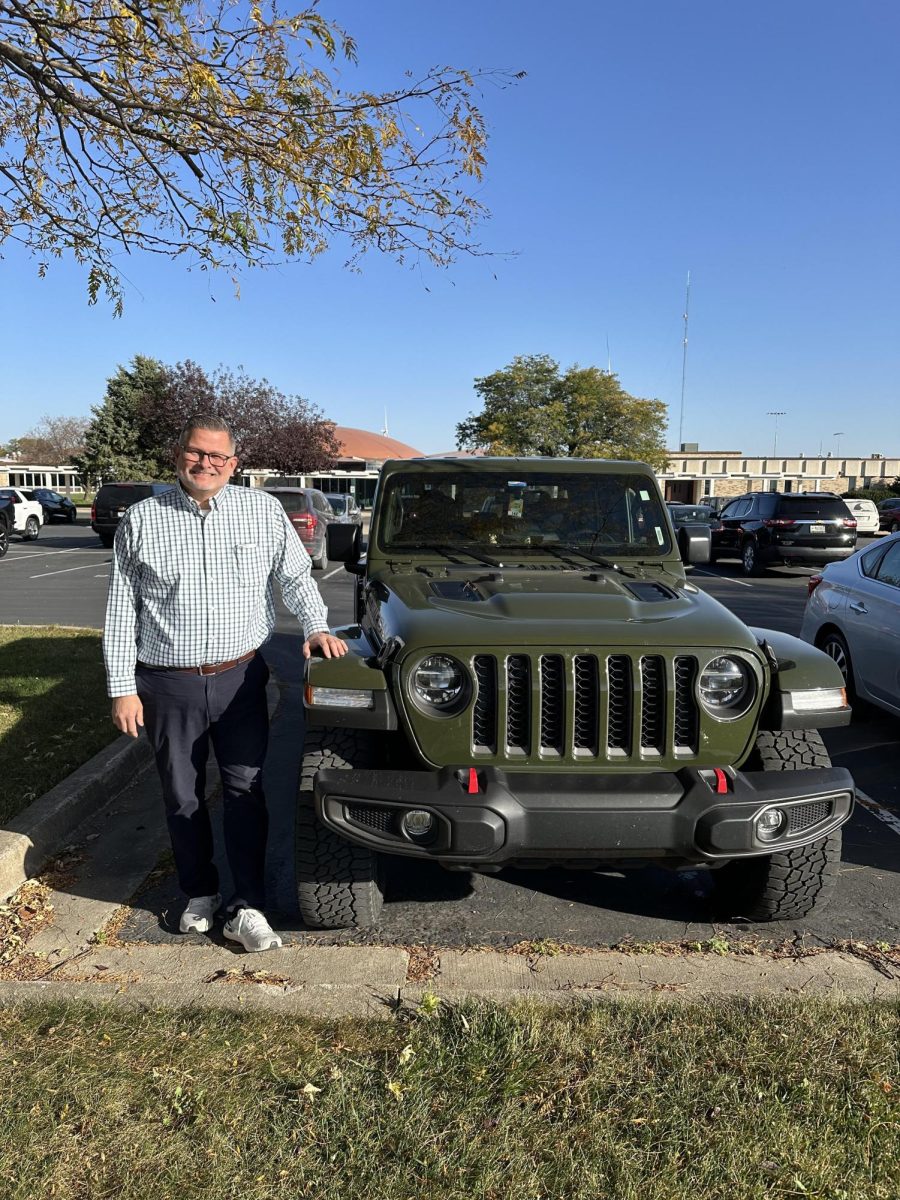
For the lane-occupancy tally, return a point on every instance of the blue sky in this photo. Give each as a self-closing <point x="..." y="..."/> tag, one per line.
<point x="754" y="145"/>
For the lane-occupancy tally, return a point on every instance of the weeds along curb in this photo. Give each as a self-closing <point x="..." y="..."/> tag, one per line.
<point x="39" y="832"/>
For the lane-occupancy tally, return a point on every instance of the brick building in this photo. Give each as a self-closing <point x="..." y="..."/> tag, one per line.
<point x="693" y="473"/>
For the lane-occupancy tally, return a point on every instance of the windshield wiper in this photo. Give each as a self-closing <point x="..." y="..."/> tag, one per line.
<point x="451" y="552"/>
<point x="606" y="563"/>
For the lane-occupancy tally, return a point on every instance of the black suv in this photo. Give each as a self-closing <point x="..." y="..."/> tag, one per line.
<point x="111" y="501"/>
<point x="767" y="528"/>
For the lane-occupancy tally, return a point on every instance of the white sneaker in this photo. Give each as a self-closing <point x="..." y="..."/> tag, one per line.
<point x="198" y="916"/>
<point x="249" y="927"/>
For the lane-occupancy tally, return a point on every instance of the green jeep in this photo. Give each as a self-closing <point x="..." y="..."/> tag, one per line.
<point x="532" y="680"/>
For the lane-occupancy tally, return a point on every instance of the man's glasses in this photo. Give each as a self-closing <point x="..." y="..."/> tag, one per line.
<point x="194" y="456"/>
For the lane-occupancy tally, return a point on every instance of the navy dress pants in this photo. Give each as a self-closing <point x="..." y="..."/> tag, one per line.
<point x="183" y="713"/>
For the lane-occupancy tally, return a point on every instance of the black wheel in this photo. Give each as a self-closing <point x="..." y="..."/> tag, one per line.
<point x="71" y="516"/>
<point x="338" y="883"/>
<point x="32" y="529"/>
<point x="106" y="539"/>
<point x="788" y="883"/>
<point x="4" y="538"/>
<point x="895" y="527"/>
<point x="750" y="557"/>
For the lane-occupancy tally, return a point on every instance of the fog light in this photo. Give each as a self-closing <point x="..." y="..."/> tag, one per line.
<point x="417" y="823"/>
<point x="770" y="823"/>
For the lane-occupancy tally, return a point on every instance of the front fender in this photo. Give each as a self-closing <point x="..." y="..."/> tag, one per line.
<point x="800" y="670"/>
<point x="358" y="675"/>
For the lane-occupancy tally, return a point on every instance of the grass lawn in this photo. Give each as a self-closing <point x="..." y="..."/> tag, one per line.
<point x="54" y="712"/>
<point x="625" y="1101"/>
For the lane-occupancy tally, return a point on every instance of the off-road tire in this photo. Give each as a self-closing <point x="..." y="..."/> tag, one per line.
<point x="750" y="557"/>
<point x="32" y="529"/>
<point x="338" y="883"/>
<point x="789" y="883"/>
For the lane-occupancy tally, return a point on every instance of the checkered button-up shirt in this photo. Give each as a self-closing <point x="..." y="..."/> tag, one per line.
<point x="189" y="587"/>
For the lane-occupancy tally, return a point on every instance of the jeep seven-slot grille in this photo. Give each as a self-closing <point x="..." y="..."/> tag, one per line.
<point x="585" y="706"/>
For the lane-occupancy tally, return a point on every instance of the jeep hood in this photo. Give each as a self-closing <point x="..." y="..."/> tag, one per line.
<point x="550" y="607"/>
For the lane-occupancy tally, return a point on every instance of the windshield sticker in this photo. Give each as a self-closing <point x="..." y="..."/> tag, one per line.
<point x="644" y="495"/>
<point x="515" y="507"/>
<point x="659" y="535"/>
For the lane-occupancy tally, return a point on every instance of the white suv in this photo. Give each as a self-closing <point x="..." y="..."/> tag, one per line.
<point x="866" y="513"/>
<point x="28" y="515"/>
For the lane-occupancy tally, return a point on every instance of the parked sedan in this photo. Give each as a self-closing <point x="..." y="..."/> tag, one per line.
<point x="28" y="516"/>
<point x="853" y="614"/>
<point x="55" y="506"/>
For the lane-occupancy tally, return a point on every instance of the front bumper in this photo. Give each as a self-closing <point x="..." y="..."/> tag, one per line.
<point x="522" y="816"/>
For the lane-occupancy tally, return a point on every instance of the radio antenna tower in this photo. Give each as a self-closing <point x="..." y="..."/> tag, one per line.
<point x="687" y="305"/>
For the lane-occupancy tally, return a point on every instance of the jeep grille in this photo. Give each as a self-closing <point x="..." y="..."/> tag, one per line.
<point x="585" y="706"/>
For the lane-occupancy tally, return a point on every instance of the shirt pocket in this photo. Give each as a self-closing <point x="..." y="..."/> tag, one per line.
<point x="252" y="568"/>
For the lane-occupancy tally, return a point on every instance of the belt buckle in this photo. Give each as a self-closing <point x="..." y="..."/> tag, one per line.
<point x="206" y="669"/>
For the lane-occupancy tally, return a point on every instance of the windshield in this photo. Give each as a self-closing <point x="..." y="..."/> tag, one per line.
<point x="475" y="511"/>
<point x="338" y="503"/>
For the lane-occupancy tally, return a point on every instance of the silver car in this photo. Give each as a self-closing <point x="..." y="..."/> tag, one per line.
<point x="853" y="614"/>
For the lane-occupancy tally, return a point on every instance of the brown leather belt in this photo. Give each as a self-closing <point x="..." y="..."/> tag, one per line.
<point x="204" y="668"/>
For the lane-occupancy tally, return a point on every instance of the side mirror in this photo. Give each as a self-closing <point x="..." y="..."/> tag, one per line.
<point x="344" y="542"/>
<point x="695" y="543"/>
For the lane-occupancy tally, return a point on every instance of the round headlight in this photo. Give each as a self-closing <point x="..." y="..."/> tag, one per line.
<point x="724" y="686"/>
<point x="438" y="681"/>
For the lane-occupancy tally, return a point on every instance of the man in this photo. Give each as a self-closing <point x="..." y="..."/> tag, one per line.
<point x="190" y="603"/>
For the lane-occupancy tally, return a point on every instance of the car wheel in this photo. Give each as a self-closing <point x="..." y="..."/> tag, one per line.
<point x="321" y="561"/>
<point x="339" y="884"/>
<point x="4" y="540"/>
<point x="895" y="527"/>
<point x="835" y="646"/>
<point x="71" y="516"/>
<point x="32" y="529"/>
<point x="789" y="883"/>
<point x="750" y="558"/>
<point x="106" y="539"/>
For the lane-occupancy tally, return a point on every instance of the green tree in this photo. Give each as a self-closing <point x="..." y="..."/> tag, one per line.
<point x="219" y="132"/>
<point x="532" y="408"/>
<point x="113" y="445"/>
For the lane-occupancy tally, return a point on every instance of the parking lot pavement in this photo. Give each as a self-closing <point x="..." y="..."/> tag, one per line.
<point x="427" y="904"/>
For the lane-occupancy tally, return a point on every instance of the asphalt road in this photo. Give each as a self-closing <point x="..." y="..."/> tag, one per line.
<point x="61" y="579"/>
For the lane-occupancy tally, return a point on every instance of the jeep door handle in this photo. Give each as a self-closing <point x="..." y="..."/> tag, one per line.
<point x="858" y="607"/>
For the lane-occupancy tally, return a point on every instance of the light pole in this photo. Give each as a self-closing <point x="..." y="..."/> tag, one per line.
<point x="776" y="415"/>
<point x="837" y="447"/>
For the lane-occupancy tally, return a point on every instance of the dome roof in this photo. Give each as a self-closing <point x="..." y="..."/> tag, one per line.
<point x="359" y="443"/>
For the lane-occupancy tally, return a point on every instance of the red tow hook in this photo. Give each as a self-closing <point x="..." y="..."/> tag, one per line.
<point x="473" y="782"/>
<point x="721" y="781"/>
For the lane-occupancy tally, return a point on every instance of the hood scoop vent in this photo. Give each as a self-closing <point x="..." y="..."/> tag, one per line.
<point x="651" y="591"/>
<point x="455" y="589"/>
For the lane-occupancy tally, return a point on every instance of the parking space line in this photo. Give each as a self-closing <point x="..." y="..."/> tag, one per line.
<point x="49" y="553"/>
<point x="330" y="573"/>
<point x="63" y="571"/>
<point x="878" y="810"/>
<point x="722" y="578"/>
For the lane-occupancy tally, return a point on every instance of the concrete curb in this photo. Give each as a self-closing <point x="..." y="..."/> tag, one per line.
<point x="333" y="981"/>
<point x="41" y="829"/>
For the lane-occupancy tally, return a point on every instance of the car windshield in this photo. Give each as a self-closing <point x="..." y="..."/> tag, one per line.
<point x="338" y="503"/>
<point x="689" y="513"/>
<point x="293" y="502"/>
<point x="524" y="510"/>
<point x="810" y="508"/>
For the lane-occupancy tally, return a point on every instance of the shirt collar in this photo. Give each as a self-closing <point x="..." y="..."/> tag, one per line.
<point x="191" y="504"/>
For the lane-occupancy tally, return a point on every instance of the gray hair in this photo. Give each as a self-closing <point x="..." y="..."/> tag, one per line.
<point x="205" y="421"/>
